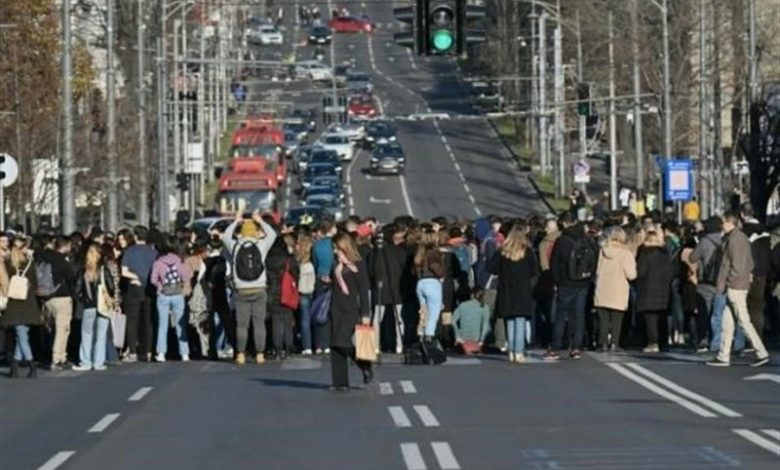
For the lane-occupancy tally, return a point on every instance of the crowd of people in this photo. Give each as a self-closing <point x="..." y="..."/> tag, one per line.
<point x="88" y="301"/>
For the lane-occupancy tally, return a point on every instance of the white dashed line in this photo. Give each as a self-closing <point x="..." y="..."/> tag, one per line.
<point x="759" y="440"/>
<point x="399" y="416"/>
<point x="449" y="149"/>
<point x="773" y="433"/>
<point x="468" y="189"/>
<point x="471" y="198"/>
<point x="59" y="458"/>
<point x="408" y="387"/>
<point x="140" y="394"/>
<point x="444" y="456"/>
<point x="457" y="167"/>
<point x="426" y="416"/>
<point x="405" y="194"/>
<point x="411" y="58"/>
<point x="412" y="456"/>
<point x="104" y="422"/>
<point x="385" y="388"/>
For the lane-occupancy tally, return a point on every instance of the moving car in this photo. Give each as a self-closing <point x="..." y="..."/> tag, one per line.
<point x="358" y="82"/>
<point x="301" y="158"/>
<point x="324" y="185"/>
<point x="265" y="36"/>
<point x="339" y="143"/>
<point x="307" y="116"/>
<point x="297" y="126"/>
<point x="304" y="215"/>
<point x="352" y="129"/>
<point x="330" y="203"/>
<point x="313" y="70"/>
<point x="206" y="225"/>
<point x="379" y="133"/>
<point x="361" y="106"/>
<point x="291" y="142"/>
<point x="388" y="158"/>
<point x="320" y="35"/>
<point x="316" y="170"/>
<point x="351" y="24"/>
<point x="321" y="155"/>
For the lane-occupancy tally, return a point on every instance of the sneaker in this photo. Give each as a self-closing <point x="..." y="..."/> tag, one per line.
<point x="100" y="368"/>
<point x="240" y="359"/>
<point x="702" y="350"/>
<point x="54" y="367"/>
<point x="519" y="358"/>
<point x="651" y="348"/>
<point x="511" y="357"/>
<point x="552" y="356"/>
<point x="318" y="351"/>
<point x="82" y="368"/>
<point x="575" y="354"/>
<point x="130" y="358"/>
<point x="326" y="351"/>
<point x="160" y="358"/>
<point x="306" y="352"/>
<point x="185" y="358"/>
<point x="760" y="361"/>
<point x="399" y="349"/>
<point x="259" y="358"/>
<point x="718" y="363"/>
<point x="503" y="349"/>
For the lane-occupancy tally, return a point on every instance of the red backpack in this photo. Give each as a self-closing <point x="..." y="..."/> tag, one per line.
<point x="290" y="296"/>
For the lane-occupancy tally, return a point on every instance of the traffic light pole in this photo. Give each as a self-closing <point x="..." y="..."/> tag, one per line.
<point x="582" y="118"/>
<point x="112" y="201"/>
<point x="640" y="158"/>
<point x="68" y="196"/>
<point x="543" y="144"/>
<point x="612" y="124"/>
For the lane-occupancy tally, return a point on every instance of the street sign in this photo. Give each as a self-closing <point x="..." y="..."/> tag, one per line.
<point x="335" y="109"/>
<point x="195" y="163"/>
<point x="678" y="180"/>
<point x="581" y="171"/>
<point x="9" y="170"/>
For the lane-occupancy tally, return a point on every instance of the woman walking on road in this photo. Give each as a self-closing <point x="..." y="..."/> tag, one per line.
<point x="94" y="323"/>
<point x="20" y="313"/>
<point x="653" y="283"/>
<point x="349" y="307"/>
<point x="516" y="267"/>
<point x="616" y="268"/>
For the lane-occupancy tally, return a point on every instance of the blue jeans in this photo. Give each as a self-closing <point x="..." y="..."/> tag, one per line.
<point x="429" y="293"/>
<point x="304" y="310"/>
<point x="94" y="329"/>
<point x="220" y="335"/>
<point x="571" y="302"/>
<point x="716" y="320"/>
<point x="22" y="350"/>
<point x="165" y="305"/>
<point x="515" y="332"/>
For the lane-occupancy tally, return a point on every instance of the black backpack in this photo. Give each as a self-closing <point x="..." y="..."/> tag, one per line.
<point x="582" y="262"/>
<point x="248" y="262"/>
<point x="711" y="269"/>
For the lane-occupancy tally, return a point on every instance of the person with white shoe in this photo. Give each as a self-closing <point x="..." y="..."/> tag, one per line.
<point x="93" y="281"/>
<point x="169" y="275"/>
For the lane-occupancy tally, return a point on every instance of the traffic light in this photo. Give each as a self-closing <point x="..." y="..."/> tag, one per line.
<point x="412" y="17"/>
<point x="442" y="26"/>
<point x="466" y="14"/>
<point x="583" y="99"/>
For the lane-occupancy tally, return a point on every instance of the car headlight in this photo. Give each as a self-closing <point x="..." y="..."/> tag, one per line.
<point x="328" y="37"/>
<point x="313" y="38"/>
<point x="370" y="139"/>
<point x="392" y="138"/>
<point x="374" y="160"/>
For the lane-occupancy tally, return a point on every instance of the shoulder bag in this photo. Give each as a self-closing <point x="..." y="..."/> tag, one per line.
<point x="19" y="287"/>
<point x="105" y="304"/>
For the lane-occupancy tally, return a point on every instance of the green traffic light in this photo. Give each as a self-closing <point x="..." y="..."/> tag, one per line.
<point x="443" y="40"/>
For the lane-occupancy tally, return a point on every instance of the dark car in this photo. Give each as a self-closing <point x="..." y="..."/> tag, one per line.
<point x="388" y="158"/>
<point x="320" y="35"/>
<point x="297" y="126"/>
<point x="340" y="73"/>
<point x="304" y="215"/>
<point x="307" y="116"/>
<point x="329" y="203"/>
<point x="313" y="170"/>
<point x="301" y="158"/>
<point x="326" y="156"/>
<point x="378" y="133"/>
<point x="320" y="187"/>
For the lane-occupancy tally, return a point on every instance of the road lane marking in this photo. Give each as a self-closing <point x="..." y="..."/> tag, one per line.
<point x="773" y="433"/>
<point x="715" y="406"/>
<point x="104" y="422"/>
<point x="412" y="456"/>
<point x="472" y="199"/>
<point x="399" y="416"/>
<point x="405" y="194"/>
<point x="759" y="440"/>
<point x="770" y="377"/>
<point x="661" y="392"/>
<point x="385" y="388"/>
<point x="444" y="456"/>
<point x="449" y="149"/>
<point x="58" y="459"/>
<point x="426" y="416"/>
<point x="140" y="394"/>
<point x="408" y="387"/>
<point x="374" y="200"/>
<point x="411" y="58"/>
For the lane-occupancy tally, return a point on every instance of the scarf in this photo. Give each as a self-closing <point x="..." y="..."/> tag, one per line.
<point x="343" y="262"/>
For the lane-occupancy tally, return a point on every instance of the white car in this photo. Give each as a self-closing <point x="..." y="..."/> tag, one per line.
<point x="314" y="70"/>
<point x="269" y="36"/>
<point x="339" y="143"/>
<point x="353" y="130"/>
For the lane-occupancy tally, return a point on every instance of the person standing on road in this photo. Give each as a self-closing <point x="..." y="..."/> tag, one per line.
<point x="430" y="270"/>
<point x="616" y="268"/>
<point x="386" y="266"/>
<point x="573" y="265"/>
<point x="306" y="281"/>
<point x="707" y="257"/>
<point x="322" y="257"/>
<point x="350" y="306"/>
<point x="137" y="262"/>
<point x="280" y="260"/>
<point x="55" y="279"/>
<point x="94" y="324"/>
<point x="170" y="276"/>
<point x="734" y="279"/>
<point x="544" y="291"/>
<point x="20" y="314"/>
<point x="247" y="257"/>
<point x="516" y="267"/>
<point x="760" y="247"/>
<point x="653" y="288"/>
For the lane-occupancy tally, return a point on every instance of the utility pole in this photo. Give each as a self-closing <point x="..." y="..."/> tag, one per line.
<point x="112" y="217"/>
<point x="705" y="174"/>
<point x="580" y="77"/>
<point x="560" y="110"/>
<point x="187" y="109"/>
<point x="202" y="137"/>
<point x="177" y="90"/>
<point x="68" y="194"/>
<point x="613" y="186"/>
<point x="753" y="77"/>
<point x="143" y="185"/>
<point x="667" y="98"/>
<point x="542" y="94"/>
<point x="640" y="158"/>
<point x="162" y="132"/>
<point x="716" y="200"/>
<point x="534" y="85"/>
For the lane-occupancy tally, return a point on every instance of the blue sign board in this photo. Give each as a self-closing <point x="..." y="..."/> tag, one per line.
<point x="678" y="180"/>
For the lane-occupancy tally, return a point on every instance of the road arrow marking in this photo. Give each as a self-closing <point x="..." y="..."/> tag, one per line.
<point x="374" y="200"/>
<point x="771" y="377"/>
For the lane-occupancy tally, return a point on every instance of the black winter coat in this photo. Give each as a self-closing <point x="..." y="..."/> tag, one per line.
<point x="514" y="297"/>
<point x="562" y="252"/>
<point x="86" y="292"/>
<point x="278" y="257"/>
<point x="654" y="278"/>
<point x="760" y="247"/>
<point x="386" y="268"/>
<point x="346" y="310"/>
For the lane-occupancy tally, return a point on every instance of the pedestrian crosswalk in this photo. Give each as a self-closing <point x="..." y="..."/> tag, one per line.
<point x="767" y="439"/>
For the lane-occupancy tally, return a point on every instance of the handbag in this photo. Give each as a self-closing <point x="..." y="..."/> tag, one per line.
<point x="364" y="343"/>
<point x="320" y="307"/>
<point x="118" y="326"/>
<point x="19" y="287"/>
<point x="106" y="306"/>
<point x="290" y="296"/>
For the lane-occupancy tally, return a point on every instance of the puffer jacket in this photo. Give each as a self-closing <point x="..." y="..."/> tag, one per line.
<point x="616" y="268"/>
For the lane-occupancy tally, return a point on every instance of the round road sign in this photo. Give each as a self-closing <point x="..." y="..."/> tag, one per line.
<point x="9" y="170"/>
